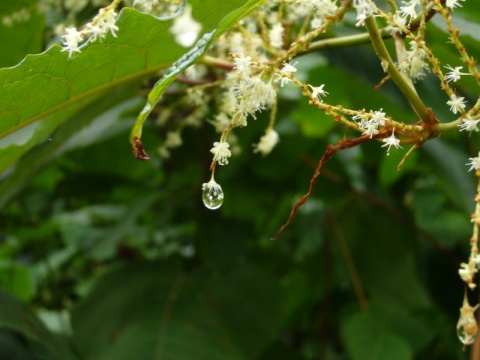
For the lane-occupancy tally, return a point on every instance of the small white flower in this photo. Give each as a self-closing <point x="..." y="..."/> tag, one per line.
<point x="454" y="73"/>
<point x="469" y="124"/>
<point x="288" y="69"/>
<point x="267" y="142"/>
<point x="474" y="163"/>
<point x="379" y="117"/>
<point x="371" y="128"/>
<point x="72" y="39"/>
<point x="185" y="28"/>
<point x="318" y="91"/>
<point x="465" y="272"/>
<point x="398" y="23"/>
<point x="275" y="35"/>
<point x="409" y="11"/>
<point x="242" y="64"/>
<point x="365" y="8"/>
<point x="220" y="152"/>
<point x="457" y="103"/>
<point x="106" y="20"/>
<point x="453" y="3"/>
<point x="391" y="141"/>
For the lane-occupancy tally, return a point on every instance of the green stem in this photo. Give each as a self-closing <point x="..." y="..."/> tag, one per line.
<point x="446" y="127"/>
<point x="420" y="109"/>
<point x="349" y="40"/>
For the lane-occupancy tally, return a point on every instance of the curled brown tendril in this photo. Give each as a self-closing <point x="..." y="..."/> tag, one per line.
<point x="138" y="150"/>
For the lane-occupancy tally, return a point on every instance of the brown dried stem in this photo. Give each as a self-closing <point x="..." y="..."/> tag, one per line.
<point x="331" y="150"/>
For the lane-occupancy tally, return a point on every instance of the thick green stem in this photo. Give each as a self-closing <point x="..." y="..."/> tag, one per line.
<point x="422" y="112"/>
<point x="349" y="40"/>
<point x="446" y="127"/>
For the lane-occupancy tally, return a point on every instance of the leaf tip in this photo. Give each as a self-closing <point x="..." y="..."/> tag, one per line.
<point x="138" y="150"/>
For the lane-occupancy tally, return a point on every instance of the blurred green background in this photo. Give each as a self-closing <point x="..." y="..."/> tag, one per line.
<point x="105" y="257"/>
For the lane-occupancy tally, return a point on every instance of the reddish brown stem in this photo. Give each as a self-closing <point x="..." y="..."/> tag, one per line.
<point x="138" y="150"/>
<point x="331" y="150"/>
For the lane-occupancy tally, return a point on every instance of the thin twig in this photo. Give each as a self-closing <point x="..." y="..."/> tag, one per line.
<point x="331" y="150"/>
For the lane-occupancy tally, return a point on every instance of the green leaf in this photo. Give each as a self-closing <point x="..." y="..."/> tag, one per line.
<point x="154" y="311"/>
<point x="63" y="140"/>
<point x="382" y="250"/>
<point x="45" y="90"/>
<point x="21" y="28"/>
<point x="366" y="339"/>
<point x="388" y="172"/>
<point x="17" y="280"/>
<point x="12" y="347"/>
<point x="15" y="315"/>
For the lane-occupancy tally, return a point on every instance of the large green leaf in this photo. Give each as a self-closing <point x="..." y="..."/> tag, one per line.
<point x="16" y="316"/>
<point x="153" y="311"/>
<point x="52" y="87"/>
<point x="63" y="139"/>
<point x="366" y="339"/>
<point x="21" y="27"/>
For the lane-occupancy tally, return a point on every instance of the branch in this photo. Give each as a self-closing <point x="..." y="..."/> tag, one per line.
<point x="420" y="109"/>
<point x="331" y="150"/>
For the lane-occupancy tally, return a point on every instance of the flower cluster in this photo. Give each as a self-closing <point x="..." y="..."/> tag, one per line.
<point x="365" y="8"/>
<point x="247" y="92"/>
<point x="98" y="28"/>
<point x="371" y="121"/>
<point x="414" y="65"/>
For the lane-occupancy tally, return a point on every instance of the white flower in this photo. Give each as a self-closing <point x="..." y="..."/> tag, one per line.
<point x="288" y="69"/>
<point x="379" y="117"/>
<point x="185" y="28"/>
<point x="469" y="124"/>
<point x="454" y="73"/>
<point x="391" y="141"/>
<point x="398" y="23"/>
<point x="106" y="22"/>
<point x="474" y="163"/>
<point x="465" y="272"/>
<point x="267" y="142"/>
<point x="318" y="91"/>
<point x="453" y="3"/>
<point x="242" y="64"/>
<point x="409" y="10"/>
<point x="371" y="128"/>
<point x="365" y="8"/>
<point x="275" y="35"/>
<point x="457" y="103"/>
<point x="220" y="152"/>
<point x="72" y="39"/>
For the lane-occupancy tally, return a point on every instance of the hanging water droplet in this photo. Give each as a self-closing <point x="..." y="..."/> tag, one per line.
<point x="212" y="195"/>
<point x="467" y="330"/>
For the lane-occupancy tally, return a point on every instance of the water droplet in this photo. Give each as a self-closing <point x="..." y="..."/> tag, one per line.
<point x="467" y="330"/>
<point x="212" y="195"/>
